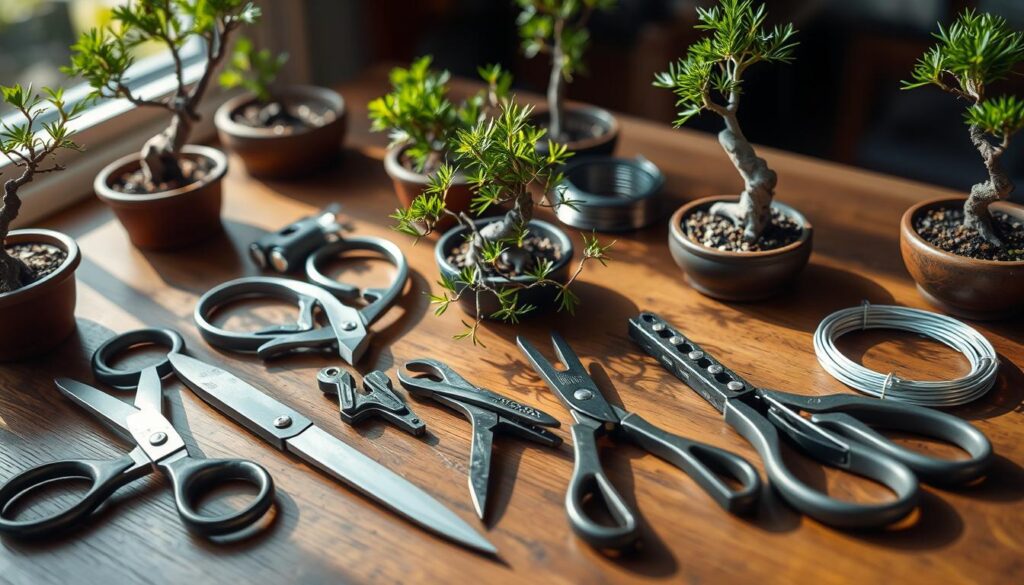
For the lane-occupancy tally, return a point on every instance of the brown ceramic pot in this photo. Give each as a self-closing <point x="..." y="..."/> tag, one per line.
<point x="410" y="184"/>
<point x="967" y="287"/>
<point x="598" y="129"/>
<point x="37" y="317"/>
<point x="266" y="154"/>
<point x="738" y="276"/>
<point x="169" y="219"/>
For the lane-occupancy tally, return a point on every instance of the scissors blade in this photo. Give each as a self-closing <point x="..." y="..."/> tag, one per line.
<point x="110" y="410"/>
<point x="480" y="467"/>
<point x="149" y="394"/>
<point x="574" y="386"/>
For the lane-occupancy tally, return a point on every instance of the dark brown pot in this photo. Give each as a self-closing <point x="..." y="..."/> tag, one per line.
<point x="410" y="184"/>
<point x="169" y="219"/>
<point x="738" y="276"/>
<point x="967" y="287"/>
<point x="37" y="317"/>
<point x="599" y="124"/>
<point x="268" y="155"/>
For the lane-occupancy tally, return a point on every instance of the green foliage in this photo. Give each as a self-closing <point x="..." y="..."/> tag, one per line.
<point x="1001" y="116"/>
<point x="546" y="23"/>
<point x="712" y="71"/>
<point x="252" y="69"/>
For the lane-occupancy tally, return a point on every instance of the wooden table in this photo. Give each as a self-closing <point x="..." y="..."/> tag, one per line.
<point x="322" y="532"/>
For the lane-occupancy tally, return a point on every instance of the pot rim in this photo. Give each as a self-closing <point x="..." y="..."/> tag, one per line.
<point x="223" y="120"/>
<point x="676" y="229"/>
<point x="105" y="192"/>
<point x="65" y="270"/>
<point x="588" y="110"/>
<point x="568" y="250"/>
<point x="396" y="170"/>
<point x="907" y="228"/>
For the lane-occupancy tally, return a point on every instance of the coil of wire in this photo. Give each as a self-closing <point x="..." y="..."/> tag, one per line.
<point x="935" y="393"/>
<point x="609" y="194"/>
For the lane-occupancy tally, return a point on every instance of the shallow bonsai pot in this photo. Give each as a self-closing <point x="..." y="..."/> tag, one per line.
<point x="37" y="317"/>
<point x="595" y="130"/>
<point x="168" y="219"/>
<point x="738" y="276"/>
<point x="409" y="184"/>
<point x="269" y="155"/>
<point x="542" y="297"/>
<point x="967" y="287"/>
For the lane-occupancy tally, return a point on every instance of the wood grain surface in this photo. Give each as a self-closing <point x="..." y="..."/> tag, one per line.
<point x="322" y="532"/>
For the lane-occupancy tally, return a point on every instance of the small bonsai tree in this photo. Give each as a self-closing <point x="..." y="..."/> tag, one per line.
<point x="418" y="112"/>
<point x="558" y="28"/>
<point x="103" y="57"/>
<point x="31" y="146"/>
<point x="972" y="53"/>
<point x="253" y="69"/>
<point x="500" y="158"/>
<point x="711" y="78"/>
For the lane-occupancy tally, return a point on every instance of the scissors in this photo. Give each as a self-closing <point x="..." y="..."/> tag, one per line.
<point x="487" y="412"/>
<point x="158" y="447"/>
<point x="595" y="417"/>
<point x="837" y="432"/>
<point x="346" y="329"/>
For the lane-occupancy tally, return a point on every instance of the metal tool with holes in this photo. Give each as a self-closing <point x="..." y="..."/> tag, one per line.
<point x="287" y="248"/>
<point x="487" y="412"/>
<point x="379" y="400"/>
<point x="589" y="486"/>
<point x="159" y="447"/>
<point x="345" y="331"/>
<point x="838" y="432"/>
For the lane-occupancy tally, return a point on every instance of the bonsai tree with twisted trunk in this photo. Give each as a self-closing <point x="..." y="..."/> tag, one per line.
<point x="972" y="53"/>
<point x="710" y="77"/>
<point x="104" y="56"/>
<point x="558" y="28"/>
<point x="31" y="146"/>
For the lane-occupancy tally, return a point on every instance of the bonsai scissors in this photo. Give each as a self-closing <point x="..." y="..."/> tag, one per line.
<point x="590" y="485"/>
<point x="838" y="432"/>
<point x="159" y="447"/>
<point x="346" y="329"/>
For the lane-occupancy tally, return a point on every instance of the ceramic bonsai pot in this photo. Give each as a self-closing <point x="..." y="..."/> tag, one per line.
<point x="168" y="219"/>
<point x="543" y="297"/>
<point x="593" y="130"/>
<point x="737" y="276"/>
<point x="37" y="317"/>
<point x="269" y="154"/>
<point x="410" y="184"/>
<point x="963" y="286"/>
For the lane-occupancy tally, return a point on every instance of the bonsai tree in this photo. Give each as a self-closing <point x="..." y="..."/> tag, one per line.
<point x="500" y="158"/>
<point x="103" y="57"/>
<point x="31" y="146"/>
<point x="558" y="28"/>
<point x="418" y="113"/>
<point x="710" y="77"/>
<point x="972" y="53"/>
<point x="256" y="70"/>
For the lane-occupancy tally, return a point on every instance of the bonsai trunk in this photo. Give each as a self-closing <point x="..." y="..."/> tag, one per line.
<point x="520" y="214"/>
<point x="753" y="211"/>
<point x="13" y="272"/>
<point x="998" y="186"/>
<point x="556" y="90"/>
<point x="160" y="162"/>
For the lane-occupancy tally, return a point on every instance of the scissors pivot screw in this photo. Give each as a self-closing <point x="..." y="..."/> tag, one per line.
<point x="583" y="394"/>
<point x="157" y="439"/>
<point x="282" y="422"/>
<point x="349" y="325"/>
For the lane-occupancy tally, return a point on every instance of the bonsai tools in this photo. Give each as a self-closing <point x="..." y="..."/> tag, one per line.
<point x="837" y="433"/>
<point x="589" y="486"/>
<point x="158" y="447"/>
<point x="285" y="249"/>
<point x="487" y="412"/>
<point x="346" y="328"/>
<point x="289" y="431"/>
<point x="379" y="400"/>
<point x="609" y="194"/>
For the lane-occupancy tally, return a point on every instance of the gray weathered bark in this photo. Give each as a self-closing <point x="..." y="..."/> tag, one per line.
<point x="520" y="214"/>
<point x="998" y="186"/>
<point x="556" y="86"/>
<point x="160" y="162"/>
<point x="753" y="211"/>
<point x="13" y="272"/>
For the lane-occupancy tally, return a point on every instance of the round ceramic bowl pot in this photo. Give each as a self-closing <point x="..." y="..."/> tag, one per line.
<point x="37" y="317"/>
<point x="267" y="154"/>
<point x="737" y="276"/>
<point x="169" y="219"/>
<point x="409" y="185"/>
<point x="594" y="130"/>
<point x="541" y="297"/>
<point x="962" y="286"/>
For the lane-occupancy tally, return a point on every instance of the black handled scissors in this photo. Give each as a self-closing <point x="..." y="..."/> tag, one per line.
<point x="838" y="432"/>
<point x="159" y="447"/>
<point x="346" y="328"/>
<point x="595" y="417"/>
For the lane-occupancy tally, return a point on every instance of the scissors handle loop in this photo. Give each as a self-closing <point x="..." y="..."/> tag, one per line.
<point x="379" y="299"/>
<point x="194" y="478"/>
<point x="129" y="379"/>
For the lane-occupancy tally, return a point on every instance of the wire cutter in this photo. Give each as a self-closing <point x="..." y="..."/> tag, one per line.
<point x="589" y="485"/>
<point x="487" y="412"/>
